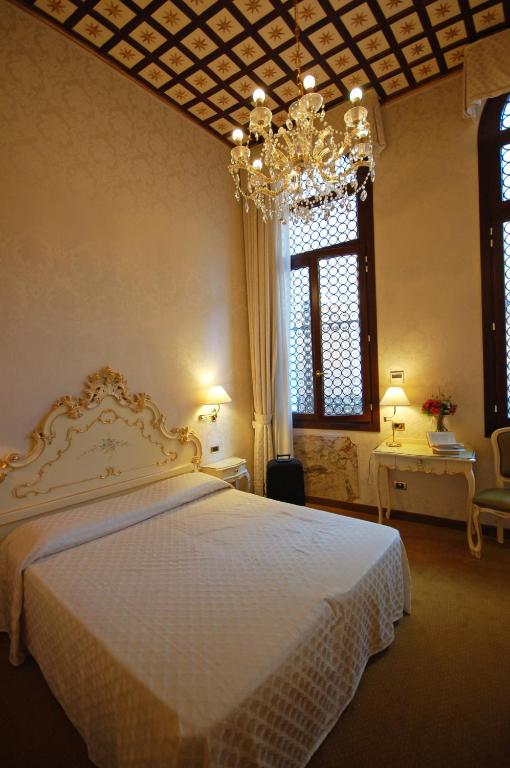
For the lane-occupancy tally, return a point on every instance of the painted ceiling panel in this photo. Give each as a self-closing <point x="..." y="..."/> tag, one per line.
<point x="207" y="56"/>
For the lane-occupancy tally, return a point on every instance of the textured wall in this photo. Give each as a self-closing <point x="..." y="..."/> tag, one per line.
<point x="120" y="242"/>
<point x="428" y="283"/>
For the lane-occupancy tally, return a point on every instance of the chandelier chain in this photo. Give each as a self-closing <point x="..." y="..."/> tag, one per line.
<point x="297" y="35"/>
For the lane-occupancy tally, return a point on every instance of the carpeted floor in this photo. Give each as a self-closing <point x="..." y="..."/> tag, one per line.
<point x="439" y="697"/>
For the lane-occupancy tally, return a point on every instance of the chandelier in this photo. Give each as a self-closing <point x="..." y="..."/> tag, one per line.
<point x="300" y="170"/>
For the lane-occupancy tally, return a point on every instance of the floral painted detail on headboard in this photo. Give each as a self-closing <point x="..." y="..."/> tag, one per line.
<point x="65" y="463"/>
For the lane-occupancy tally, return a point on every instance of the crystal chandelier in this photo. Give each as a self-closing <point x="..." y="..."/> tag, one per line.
<point x="298" y="171"/>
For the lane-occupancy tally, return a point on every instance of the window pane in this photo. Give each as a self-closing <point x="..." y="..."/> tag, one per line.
<point x="341" y="335"/>
<point x="505" y="172"/>
<point x="506" y="287"/>
<point x="300" y="351"/>
<point x="341" y="227"/>
<point x="505" y="115"/>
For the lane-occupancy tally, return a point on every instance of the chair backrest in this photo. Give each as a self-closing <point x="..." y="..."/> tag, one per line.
<point x="500" y="440"/>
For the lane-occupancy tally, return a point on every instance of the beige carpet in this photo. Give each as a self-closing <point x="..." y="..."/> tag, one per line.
<point x="439" y="697"/>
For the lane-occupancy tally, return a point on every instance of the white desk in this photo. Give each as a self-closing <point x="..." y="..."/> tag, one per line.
<point x="417" y="456"/>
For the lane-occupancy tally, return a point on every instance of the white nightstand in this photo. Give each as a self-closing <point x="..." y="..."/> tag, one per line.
<point x="232" y="470"/>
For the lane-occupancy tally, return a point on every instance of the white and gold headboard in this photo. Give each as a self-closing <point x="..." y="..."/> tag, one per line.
<point x="100" y="443"/>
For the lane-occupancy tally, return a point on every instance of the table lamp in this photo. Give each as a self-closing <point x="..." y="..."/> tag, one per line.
<point x="394" y="396"/>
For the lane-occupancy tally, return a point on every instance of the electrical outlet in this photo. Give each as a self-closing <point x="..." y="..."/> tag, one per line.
<point x="399" y="426"/>
<point x="400" y="485"/>
<point x="215" y="448"/>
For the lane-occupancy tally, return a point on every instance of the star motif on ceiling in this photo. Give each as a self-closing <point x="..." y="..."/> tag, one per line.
<point x="276" y="33"/>
<point x="253" y="6"/>
<point x="224" y="25"/>
<point x="307" y="12"/>
<point x="180" y="94"/>
<point x="127" y="54"/>
<point x="489" y="17"/>
<point x="244" y="87"/>
<point x="417" y="48"/>
<point x="373" y="44"/>
<point x="171" y="18"/>
<point x="114" y="10"/>
<point x="355" y="79"/>
<point x="199" y="44"/>
<point x="326" y="38"/>
<point x="328" y="93"/>
<point x="442" y="10"/>
<point x="224" y="66"/>
<point x="407" y="27"/>
<point x="359" y="19"/>
<point x="248" y="51"/>
<point x="202" y="110"/>
<point x="288" y="91"/>
<point x="56" y="6"/>
<point x="458" y="55"/>
<point x="425" y="69"/>
<point x="148" y="36"/>
<point x="223" y="99"/>
<point x="176" y="59"/>
<point x="93" y="30"/>
<point x="268" y="72"/>
<point x="394" y="3"/>
<point x="200" y="81"/>
<point x="341" y="61"/>
<point x="394" y="83"/>
<point x="451" y="33"/>
<point x="155" y="75"/>
<point x="386" y="64"/>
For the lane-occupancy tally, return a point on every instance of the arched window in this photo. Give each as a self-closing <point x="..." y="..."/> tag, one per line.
<point x="494" y="174"/>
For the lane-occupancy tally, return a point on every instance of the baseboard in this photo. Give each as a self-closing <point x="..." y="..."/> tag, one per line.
<point x="399" y="514"/>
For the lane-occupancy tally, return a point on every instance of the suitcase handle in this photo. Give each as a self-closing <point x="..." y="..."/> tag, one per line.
<point x="283" y="457"/>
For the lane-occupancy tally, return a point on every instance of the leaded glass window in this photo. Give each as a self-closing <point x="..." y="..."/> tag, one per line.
<point x="333" y="357"/>
<point x="494" y="173"/>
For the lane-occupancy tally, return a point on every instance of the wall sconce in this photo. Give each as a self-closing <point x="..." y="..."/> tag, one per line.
<point x="394" y="396"/>
<point x="215" y="396"/>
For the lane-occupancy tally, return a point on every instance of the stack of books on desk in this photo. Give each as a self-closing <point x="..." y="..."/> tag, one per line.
<point x="444" y="444"/>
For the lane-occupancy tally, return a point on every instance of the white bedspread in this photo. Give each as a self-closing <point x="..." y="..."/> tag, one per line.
<point x="227" y="631"/>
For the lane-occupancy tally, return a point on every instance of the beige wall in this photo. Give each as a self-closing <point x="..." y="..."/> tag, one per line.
<point x="120" y="243"/>
<point x="428" y="283"/>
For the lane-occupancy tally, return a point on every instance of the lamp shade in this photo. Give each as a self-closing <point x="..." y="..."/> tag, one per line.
<point x="216" y="396"/>
<point x="395" y="396"/>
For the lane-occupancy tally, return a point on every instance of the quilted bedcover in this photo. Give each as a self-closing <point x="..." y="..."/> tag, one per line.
<point x="215" y="629"/>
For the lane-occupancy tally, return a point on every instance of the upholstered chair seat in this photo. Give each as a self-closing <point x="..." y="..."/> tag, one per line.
<point x="494" y="501"/>
<point x="495" y="498"/>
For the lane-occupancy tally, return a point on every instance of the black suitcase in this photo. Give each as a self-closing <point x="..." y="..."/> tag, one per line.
<point x="285" y="480"/>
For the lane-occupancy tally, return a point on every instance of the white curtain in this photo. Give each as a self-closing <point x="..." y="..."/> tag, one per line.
<point x="486" y="71"/>
<point x="267" y="281"/>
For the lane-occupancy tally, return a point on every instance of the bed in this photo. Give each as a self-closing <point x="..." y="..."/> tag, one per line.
<point x="178" y="621"/>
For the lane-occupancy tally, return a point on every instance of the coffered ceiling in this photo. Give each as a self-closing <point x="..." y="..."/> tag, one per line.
<point x="207" y="56"/>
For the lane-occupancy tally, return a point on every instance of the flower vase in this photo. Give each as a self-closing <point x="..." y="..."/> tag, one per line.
<point x="440" y="424"/>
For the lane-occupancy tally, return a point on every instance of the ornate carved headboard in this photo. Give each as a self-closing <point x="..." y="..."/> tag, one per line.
<point x="105" y="441"/>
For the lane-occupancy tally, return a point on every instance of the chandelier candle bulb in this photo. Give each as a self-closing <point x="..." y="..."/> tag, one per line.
<point x="237" y="135"/>
<point x="309" y="82"/>
<point x="259" y="96"/>
<point x="257" y="164"/>
<point x="356" y="95"/>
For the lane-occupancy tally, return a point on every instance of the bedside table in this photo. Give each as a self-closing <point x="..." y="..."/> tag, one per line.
<point x="232" y="470"/>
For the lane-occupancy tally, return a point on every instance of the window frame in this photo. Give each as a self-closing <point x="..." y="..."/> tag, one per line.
<point x="363" y="247"/>
<point x="493" y="212"/>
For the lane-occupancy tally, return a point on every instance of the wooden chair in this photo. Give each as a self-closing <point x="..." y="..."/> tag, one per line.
<point x="495" y="501"/>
